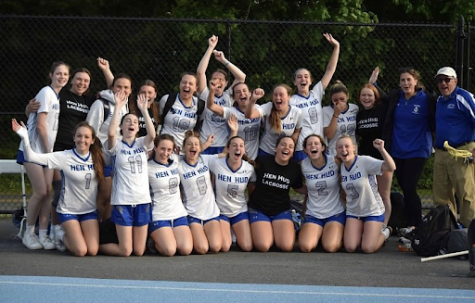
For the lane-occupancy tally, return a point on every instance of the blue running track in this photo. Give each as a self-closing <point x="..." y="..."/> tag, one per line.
<point x="59" y="289"/>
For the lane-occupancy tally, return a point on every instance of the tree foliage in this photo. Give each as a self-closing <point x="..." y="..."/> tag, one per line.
<point x="367" y="11"/>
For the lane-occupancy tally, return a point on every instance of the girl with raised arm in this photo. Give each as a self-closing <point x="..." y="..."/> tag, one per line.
<point x="231" y="176"/>
<point x="310" y="101"/>
<point x="281" y="119"/>
<point x="248" y="129"/>
<point x="81" y="169"/>
<point x="364" y="206"/>
<point x="130" y="196"/>
<point x="213" y="123"/>
<point x="369" y="126"/>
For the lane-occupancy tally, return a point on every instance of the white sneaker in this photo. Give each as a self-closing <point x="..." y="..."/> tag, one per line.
<point x="405" y="231"/>
<point x="386" y="232"/>
<point x="46" y="242"/>
<point x="58" y="235"/>
<point x="31" y="241"/>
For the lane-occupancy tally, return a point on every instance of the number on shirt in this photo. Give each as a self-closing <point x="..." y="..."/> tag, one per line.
<point x="232" y="190"/>
<point x="312" y="113"/>
<point x="180" y="124"/>
<point x="173" y="185"/>
<point x="135" y="164"/>
<point x="202" y="187"/>
<point x="88" y="177"/>
<point x="321" y="186"/>
<point x="351" y="192"/>
<point x="251" y="133"/>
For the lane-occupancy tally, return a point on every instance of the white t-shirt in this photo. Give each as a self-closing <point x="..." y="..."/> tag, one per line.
<point x="312" y="115"/>
<point x="164" y="181"/>
<point x="96" y="118"/>
<point x="78" y="183"/>
<point x="196" y="188"/>
<point x="361" y="187"/>
<point x="248" y="129"/>
<point x="289" y="124"/>
<point x="230" y="186"/>
<point x="179" y="119"/>
<point x="346" y="125"/>
<point x="215" y="124"/>
<point x="323" y="187"/>
<point x="49" y="104"/>
<point x="130" y="181"/>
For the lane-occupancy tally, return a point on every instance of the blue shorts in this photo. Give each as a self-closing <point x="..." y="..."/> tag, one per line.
<point x="379" y="218"/>
<point x="263" y="153"/>
<point x="153" y="226"/>
<point x="20" y="159"/>
<point x="237" y="218"/>
<point x="202" y="222"/>
<point x="132" y="215"/>
<point x="299" y="156"/>
<point x="107" y="170"/>
<point x="213" y="150"/>
<point x="258" y="216"/>
<point x="94" y="215"/>
<point x="340" y="218"/>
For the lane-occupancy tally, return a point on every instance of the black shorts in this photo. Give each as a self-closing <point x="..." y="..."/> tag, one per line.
<point x="107" y="232"/>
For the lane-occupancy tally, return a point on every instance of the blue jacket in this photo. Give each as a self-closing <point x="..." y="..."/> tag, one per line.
<point x="455" y="118"/>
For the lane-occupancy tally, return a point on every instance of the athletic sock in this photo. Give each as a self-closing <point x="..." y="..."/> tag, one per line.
<point x="42" y="233"/>
<point x="30" y="229"/>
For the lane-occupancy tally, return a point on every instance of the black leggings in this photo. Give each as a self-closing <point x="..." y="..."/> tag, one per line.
<point x="408" y="172"/>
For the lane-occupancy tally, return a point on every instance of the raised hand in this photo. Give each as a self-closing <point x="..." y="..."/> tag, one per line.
<point x="103" y="64"/>
<point x="374" y="75"/>
<point x="257" y="94"/>
<point x="331" y="40"/>
<point x="210" y="139"/>
<point x="120" y="99"/>
<point x="214" y="84"/>
<point x="378" y="144"/>
<point x="20" y="129"/>
<point x="213" y="41"/>
<point x="219" y="56"/>
<point x="142" y="103"/>
<point x="233" y="123"/>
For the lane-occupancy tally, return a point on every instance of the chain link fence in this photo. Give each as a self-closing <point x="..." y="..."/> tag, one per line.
<point x="161" y="49"/>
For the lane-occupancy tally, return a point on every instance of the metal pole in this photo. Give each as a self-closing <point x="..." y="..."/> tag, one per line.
<point x="460" y="52"/>
<point x="468" y="67"/>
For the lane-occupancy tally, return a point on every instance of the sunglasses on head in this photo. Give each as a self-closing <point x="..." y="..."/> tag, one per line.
<point x="446" y="80"/>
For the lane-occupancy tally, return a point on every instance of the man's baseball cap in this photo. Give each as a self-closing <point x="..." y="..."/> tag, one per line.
<point x="447" y="71"/>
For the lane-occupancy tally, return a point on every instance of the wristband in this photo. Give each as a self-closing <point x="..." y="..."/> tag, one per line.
<point x="335" y="116"/>
<point x="227" y="63"/>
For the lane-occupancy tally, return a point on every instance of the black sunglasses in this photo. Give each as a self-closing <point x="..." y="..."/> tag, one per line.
<point x="440" y="80"/>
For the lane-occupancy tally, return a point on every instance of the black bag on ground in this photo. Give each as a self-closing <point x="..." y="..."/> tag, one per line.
<point x="398" y="217"/>
<point x="458" y="242"/>
<point x="432" y="233"/>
